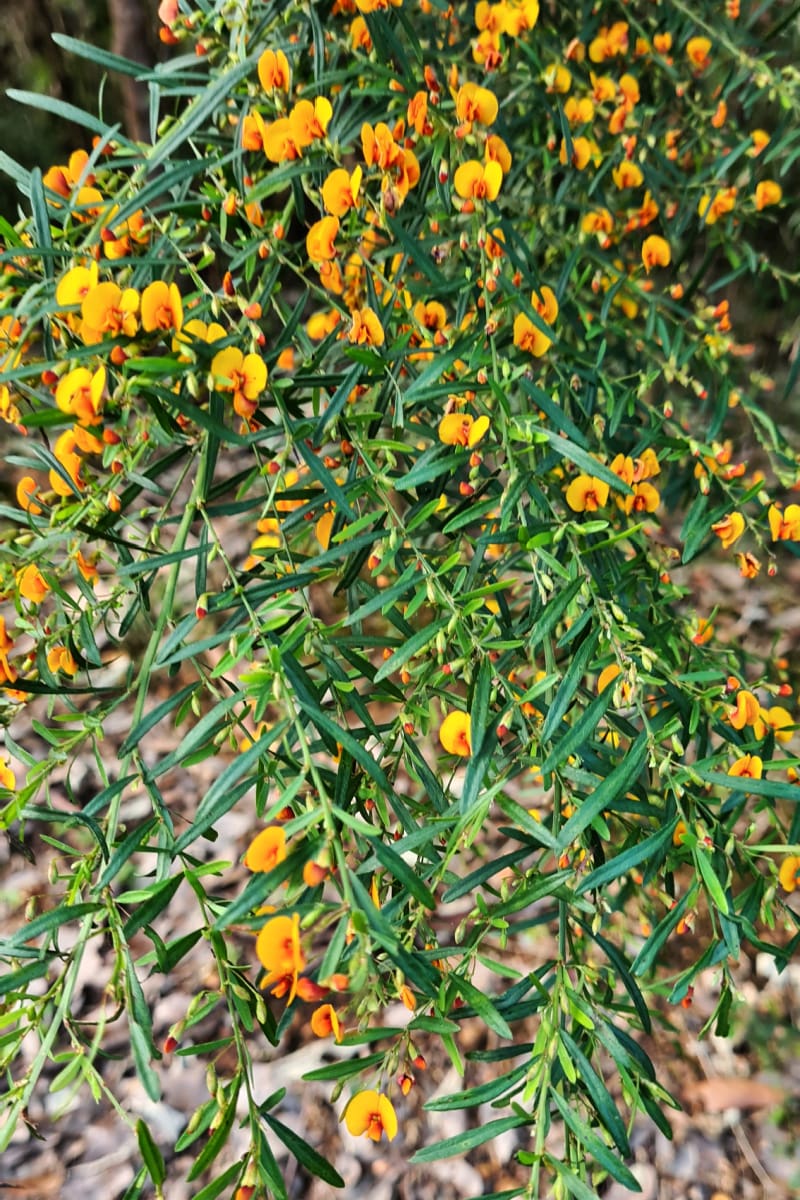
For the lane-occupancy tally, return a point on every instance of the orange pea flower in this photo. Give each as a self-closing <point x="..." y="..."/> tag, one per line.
<point x="729" y="529"/>
<point x="378" y="146"/>
<point x="108" y="311"/>
<point x="586" y="493"/>
<point x="557" y="78"/>
<point x="789" y="873"/>
<point x="749" y="766"/>
<point x="31" y="584"/>
<point x="697" y="49"/>
<point x="747" y="711"/>
<point x="8" y="779"/>
<point x="308" y="122"/>
<point x="703" y="633"/>
<point x="161" y="307"/>
<point x="527" y="335"/>
<point x="75" y="286"/>
<point x="279" y="141"/>
<point x="780" y="721"/>
<point x="579" y="111"/>
<point x="340" y="191"/>
<point x="60" y="658"/>
<point x="496" y="150"/>
<point x="325" y="1021"/>
<point x="711" y="208"/>
<point x="644" y="498"/>
<point x="243" y="374"/>
<point x="279" y="951"/>
<point x="607" y="676"/>
<point x="768" y="192"/>
<point x="749" y="565"/>
<point x="655" y="252"/>
<point x="26" y="490"/>
<point x="320" y="239"/>
<point x="475" y="104"/>
<point x="65" y="451"/>
<point x="366" y="329"/>
<point x="274" y="73"/>
<point x="627" y="175"/>
<point x="784" y="524"/>
<point x="7" y="673"/>
<point x="599" y="221"/>
<point x="80" y="394"/>
<point x="267" y="849"/>
<point x="478" y="181"/>
<point x="584" y="151"/>
<point x="455" y="733"/>
<point x="460" y="429"/>
<point x="371" y="1113"/>
<point x="323" y="529"/>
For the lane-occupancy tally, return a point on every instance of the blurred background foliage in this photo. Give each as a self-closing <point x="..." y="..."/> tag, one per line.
<point x="31" y="61"/>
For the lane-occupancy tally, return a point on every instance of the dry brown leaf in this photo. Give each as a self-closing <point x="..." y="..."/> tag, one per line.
<point x="718" y="1093"/>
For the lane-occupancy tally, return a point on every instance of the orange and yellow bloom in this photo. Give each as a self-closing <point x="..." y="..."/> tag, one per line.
<point x="729" y="529"/>
<point x="586" y="493"/>
<point x="371" y="1113"/>
<point x="161" y="307"/>
<point x="80" y="394"/>
<point x="279" y="951"/>
<point x="455" y="733"/>
<point x="243" y="374"/>
<point x="266" y="850"/>
<point x="325" y="1022"/>
<point x="789" y="873"/>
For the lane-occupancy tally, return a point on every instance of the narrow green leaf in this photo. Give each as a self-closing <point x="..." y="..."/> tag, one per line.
<point x="468" y="1140"/>
<point x="202" y="106"/>
<point x="409" y="648"/>
<point x="141" y="1049"/>
<point x="614" y="787"/>
<point x="646" y="850"/>
<point x="15" y="981"/>
<point x="482" y="1094"/>
<point x="569" y="685"/>
<point x="345" y="1068"/>
<point x="223" y="1181"/>
<point x="46" y="923"/>
<point x="162" y="893"/>
<point x="405" y="875"/>
<point x="544" y="625"/>
<point x="151" y="1155"/>
<point x="598" y="1092"/>
<point x="713" y="885"/>
<point x="572" y="1182"/>
<point x="64" y="111"/>
<point x="649" y="951"/>
<point x="103" y="58"/>
<point x="578" y="734"/>
<point x="583" y="460"/>
<point x="485" y="1009"/>
<point x="305" y="1154"/>
<point x="152" y="718"/>
<point x="599" y="1151"/>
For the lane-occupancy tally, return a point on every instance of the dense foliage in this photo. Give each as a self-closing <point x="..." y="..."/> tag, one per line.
<point x="439" y="302"/>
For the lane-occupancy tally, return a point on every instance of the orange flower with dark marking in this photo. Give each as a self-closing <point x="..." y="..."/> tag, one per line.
<point x="586" y="493"/>
<point x="371" y="1113"/>
<point x="455" y="734"/>
<point x="281" y="955"/>
<point x="325" y="1022"/>
<point x="266" y="850"/>
<point x="161" y="307"/>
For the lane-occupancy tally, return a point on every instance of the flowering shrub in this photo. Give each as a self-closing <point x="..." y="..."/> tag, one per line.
<point x="439" y="303"/>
